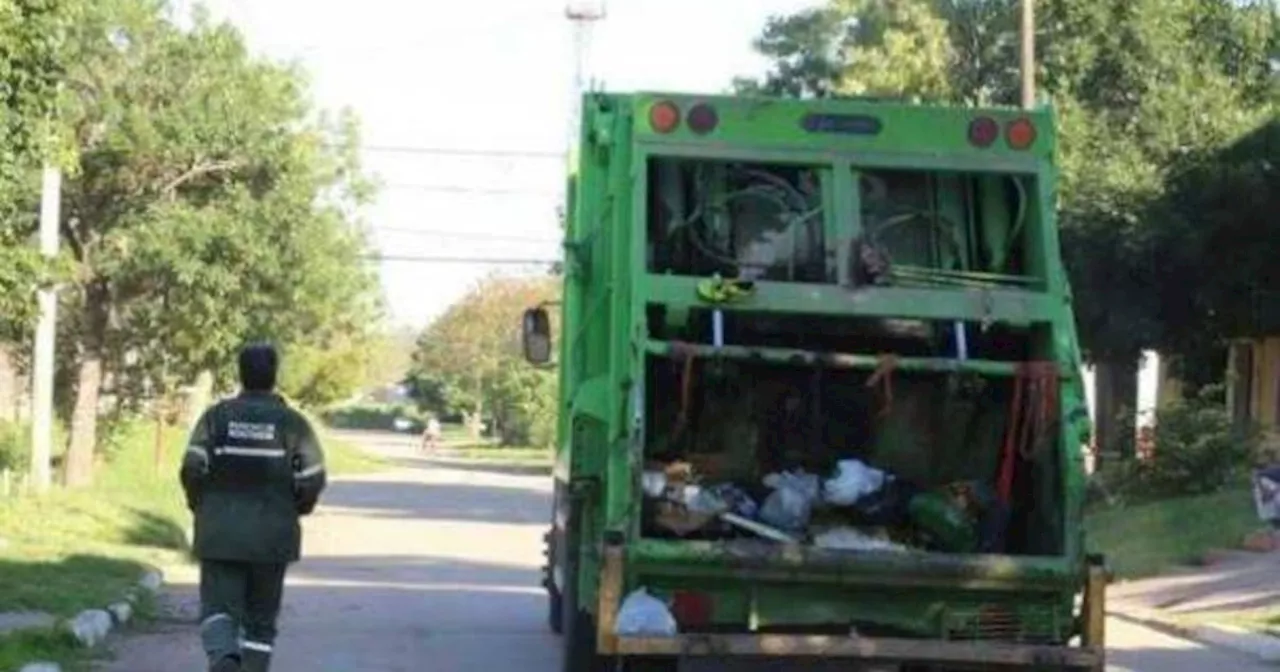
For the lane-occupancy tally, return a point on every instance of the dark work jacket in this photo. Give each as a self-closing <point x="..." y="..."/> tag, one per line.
<point x="253" y="466"/>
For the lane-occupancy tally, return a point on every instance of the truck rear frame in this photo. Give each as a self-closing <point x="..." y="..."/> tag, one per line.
<point x="596" y="547"/>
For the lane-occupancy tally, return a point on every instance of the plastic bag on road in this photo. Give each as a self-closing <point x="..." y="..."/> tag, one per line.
<point x="643" y="615"/>
<point x="853" y="481"/>
<point x="790" y="504"/>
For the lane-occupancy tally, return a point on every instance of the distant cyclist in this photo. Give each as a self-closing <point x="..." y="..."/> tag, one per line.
<point x="431" y="436"/>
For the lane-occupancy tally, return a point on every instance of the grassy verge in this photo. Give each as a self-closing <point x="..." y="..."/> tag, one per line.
<point x="496" y="454"/>
<point x="74" y="550"/>
<point x="54" y="647"/>
<point x="1147" y="539"/>
<point x="341" y="457"/>
<point x="1266" y="621"/>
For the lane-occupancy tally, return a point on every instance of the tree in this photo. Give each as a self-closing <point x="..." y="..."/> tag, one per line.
<point x="1132" y="82"/>
<point x="472" y="355"/>
<point x="31" y="64"/>
<point x="209" y="206"/>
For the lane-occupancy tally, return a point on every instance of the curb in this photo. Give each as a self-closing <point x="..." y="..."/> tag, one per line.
<point x="1262" y="647"/>
<point x="91" y="626"/>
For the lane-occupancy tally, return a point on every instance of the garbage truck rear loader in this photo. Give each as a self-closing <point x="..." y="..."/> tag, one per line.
<point x="819" y="390"/>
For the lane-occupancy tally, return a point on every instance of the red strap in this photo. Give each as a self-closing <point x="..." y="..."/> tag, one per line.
<point x="1004" y="483"/>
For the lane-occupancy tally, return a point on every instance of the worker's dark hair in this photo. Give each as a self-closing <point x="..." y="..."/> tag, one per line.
<point x="259" y="363"/>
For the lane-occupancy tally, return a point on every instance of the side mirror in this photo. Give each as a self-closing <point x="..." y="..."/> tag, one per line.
<point x="536" y="336"/>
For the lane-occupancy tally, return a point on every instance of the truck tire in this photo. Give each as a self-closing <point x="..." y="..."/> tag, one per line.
<point x="557" y="544"/>
<point x="555" y="601"/>
<point x="577" y="627"/>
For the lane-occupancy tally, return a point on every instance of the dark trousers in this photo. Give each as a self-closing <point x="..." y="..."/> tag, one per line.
<point x="239" y="605"/>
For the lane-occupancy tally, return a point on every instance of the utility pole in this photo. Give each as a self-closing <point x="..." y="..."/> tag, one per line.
<point x="1028" y="63"/>
<point x="584" y="14"/>
<point x="42" y="383"/>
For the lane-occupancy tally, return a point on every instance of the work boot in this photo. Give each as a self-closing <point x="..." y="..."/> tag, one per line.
<point x="256" y="661"/>
<point x="227" y="664"/>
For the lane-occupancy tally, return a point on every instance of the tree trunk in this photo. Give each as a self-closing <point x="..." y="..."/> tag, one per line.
<point x="84" y="416"/>
<point x="475" y="422"/>
<point x="1117" y="398"/>
<point x="84" y="422"/>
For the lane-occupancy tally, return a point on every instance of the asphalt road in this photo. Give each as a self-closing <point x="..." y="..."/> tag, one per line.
<point x="434" y="568"/>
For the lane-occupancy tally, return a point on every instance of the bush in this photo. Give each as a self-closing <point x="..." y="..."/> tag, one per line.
<point x="374" y="417"/>
<point x="15" y="444"/>
<point x="1197" y="450"/>
<point x="523" y="402"/>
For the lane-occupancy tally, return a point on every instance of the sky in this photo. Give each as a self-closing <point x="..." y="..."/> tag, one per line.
<point x="483" y="76"/>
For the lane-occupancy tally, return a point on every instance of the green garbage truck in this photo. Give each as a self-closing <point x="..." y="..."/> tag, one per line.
<point x="820" y="392"/>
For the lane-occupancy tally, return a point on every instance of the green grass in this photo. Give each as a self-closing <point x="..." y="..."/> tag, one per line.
<point x="343" y="458"/>
<point x="1265" y="620"/>
<point x="72" y="550"/>
<point x="54" y="647"/>
<point x="506" y="455"/>
<point x="1148" y="539"/>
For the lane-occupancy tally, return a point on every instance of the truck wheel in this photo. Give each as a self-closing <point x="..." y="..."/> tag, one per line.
<point x="555" y="601"/>
<point x="577" y="627"/>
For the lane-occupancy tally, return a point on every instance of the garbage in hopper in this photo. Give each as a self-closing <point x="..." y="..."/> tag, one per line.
<point x="858" y="507"/>
<point x="643" y="615"/>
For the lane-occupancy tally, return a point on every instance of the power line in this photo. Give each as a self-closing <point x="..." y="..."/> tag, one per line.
<point x="453" y="151"/>
<point x="466" y="235"/>
<point x="458" y="189"/>
<point x="460" y="260"/>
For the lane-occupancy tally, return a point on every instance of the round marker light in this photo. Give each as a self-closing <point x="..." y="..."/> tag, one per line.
<point x="1020" y="133"/>
<point x="983" y="131"/>
<point x="664" y="117"/>
<point x="703" y="119"/>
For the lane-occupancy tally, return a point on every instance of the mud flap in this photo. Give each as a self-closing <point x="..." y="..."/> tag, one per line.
<point x="1093" y="632"/>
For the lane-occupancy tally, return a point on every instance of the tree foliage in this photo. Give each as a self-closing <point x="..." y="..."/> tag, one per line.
<point x="471" y="358"/>
<point x="209" y="205"/>
<point x="32" y="60"/>
<point x="1144" y="89"/>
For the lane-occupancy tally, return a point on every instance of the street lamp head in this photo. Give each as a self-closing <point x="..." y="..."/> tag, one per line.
<point x="585" y="10"/>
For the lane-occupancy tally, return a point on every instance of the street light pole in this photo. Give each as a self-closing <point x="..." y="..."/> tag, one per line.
<point x="1028" y="60"/>
<point x="584" y="14"/>
<point x="43" y="369"/>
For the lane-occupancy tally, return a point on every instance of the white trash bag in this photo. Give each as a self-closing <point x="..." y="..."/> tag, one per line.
<point x="643" y="615"/>
<point x="849" y="539"/>
<point x="790" y="504"/>
<point x="853" y="481"/>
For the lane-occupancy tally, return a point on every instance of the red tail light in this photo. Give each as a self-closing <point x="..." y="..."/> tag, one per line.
<point x="983" y="131"/>
<point x="1020" y="133"/>
<point x="691" y="609"/>
<point x="703" y="119"/>
<point x="664" y="117"/>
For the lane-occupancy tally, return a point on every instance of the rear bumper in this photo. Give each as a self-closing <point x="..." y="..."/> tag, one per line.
<point x="1091" y="656"/>
<point x="862" y="648"/>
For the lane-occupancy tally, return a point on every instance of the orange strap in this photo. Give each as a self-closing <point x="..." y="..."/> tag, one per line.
<point x="1030" y="424"/>
<point x="883" y="375"/>
<point x="685" y="352"/>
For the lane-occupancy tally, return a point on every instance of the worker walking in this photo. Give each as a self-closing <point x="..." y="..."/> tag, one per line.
<point x="252" y="468"/>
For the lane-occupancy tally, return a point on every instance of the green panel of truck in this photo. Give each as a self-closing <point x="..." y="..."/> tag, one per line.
<point x="819" y="390"/>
